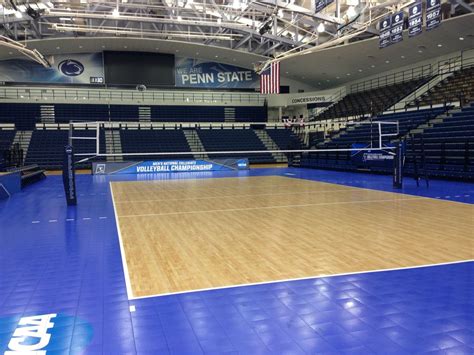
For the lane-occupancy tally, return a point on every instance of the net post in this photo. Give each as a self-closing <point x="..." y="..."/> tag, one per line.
<point x="69" y="176"/>
<point x="398" y="163"/>
<point x="380" y="135"/>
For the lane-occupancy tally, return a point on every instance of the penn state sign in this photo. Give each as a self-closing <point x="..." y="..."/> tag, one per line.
<point x="71" y="67"/>
<point x="41" y="334"/>
<point x="194" y="73"/>
<point x="81" y="68"/>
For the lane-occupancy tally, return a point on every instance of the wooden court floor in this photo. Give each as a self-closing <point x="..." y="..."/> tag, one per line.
<point x="181" y="235"/>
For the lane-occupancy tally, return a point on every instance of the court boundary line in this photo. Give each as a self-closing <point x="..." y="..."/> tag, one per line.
<point x="395" y="191"/>
<point x="304" y="278"/>
<point x="271" y="207"/>
<point x="131" y="297"/>
<point x="128" y="284"/>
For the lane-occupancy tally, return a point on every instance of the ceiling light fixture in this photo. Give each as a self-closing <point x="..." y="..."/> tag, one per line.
<point x="351" y="12"/>
<point x="116" y="13"/>
<point x="321" y="28"/>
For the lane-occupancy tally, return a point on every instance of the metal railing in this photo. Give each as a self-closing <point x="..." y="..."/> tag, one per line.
<point x="43" y="94"/>
<point x="465" y="59"/>
<point x="423" y="71"/>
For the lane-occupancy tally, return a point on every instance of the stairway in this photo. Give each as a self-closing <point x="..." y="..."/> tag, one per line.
<point x="420" y="92"/>
<point x="144" y="113"/>
<point x="47" y="114"/>
<point x="23" y="138"/>
<point x="195" y="144"/>
<point x="270" y="144"/>
<point x="229" y="114"/>
<point x="438" y="119"/>
<point x="113" y="144"/>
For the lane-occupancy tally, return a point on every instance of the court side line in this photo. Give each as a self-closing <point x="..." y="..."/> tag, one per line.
<point x="398" y="192"/>
<point x="225" y="196"/>
<point x="269" y="207"/>
<point x="128" y="284"/>
<point x="305" y="278"/>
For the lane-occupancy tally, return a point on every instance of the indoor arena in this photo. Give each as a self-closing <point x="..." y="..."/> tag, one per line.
<point x="236" y="177"/>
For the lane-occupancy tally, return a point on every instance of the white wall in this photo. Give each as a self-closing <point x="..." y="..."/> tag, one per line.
<point x="290" y="105"/>
<point x="296" y="85"/>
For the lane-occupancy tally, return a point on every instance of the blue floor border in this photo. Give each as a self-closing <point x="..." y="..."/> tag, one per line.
<point x="66" y="262"/>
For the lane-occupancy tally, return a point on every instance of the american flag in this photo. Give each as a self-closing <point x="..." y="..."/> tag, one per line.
<point x="270" y="79"/>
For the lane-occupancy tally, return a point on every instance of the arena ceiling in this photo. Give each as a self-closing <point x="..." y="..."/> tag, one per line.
<point x="241" y="32"/>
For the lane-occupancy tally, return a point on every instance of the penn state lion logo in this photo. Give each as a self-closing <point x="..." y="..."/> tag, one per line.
<point x="71" y="67"/>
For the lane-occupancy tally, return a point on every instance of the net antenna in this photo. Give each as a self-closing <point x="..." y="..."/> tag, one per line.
<point x="382" y="127"/>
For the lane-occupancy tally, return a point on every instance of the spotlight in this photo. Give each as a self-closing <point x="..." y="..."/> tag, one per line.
<point x="321" y="28"/>
<point x="351" y="12"/>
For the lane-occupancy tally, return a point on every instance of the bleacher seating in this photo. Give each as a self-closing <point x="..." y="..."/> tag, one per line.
<point x="448" y="147"/>
<point x="284" y="138"/>
<point x="47" y="147"/>
<point x="154" y="141"/>
<point x="459" y="86"/>
<point x="366" y="134"/>
<point x="6" y="139"/>
<point x="370" y="101"/>
<point x="234" y="140"/>
<point x="207" y="113"/>
<point x="80" y="112"/>
<point x="23" y="115"/>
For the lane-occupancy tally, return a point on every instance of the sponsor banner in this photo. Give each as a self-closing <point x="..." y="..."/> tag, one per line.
<point x="415" y="19"/>
<point x="319" y="5"/>
<point x="43" y="334"/>
<point x="375" y="157"/>
<point x="319" y="99"/>
<point x="169" y="166"/>
<point x="195" y="73"/>
<point x="385" y="32"/>
<point x="396" y="32"/>
<point x="70" y="68"/>
<point x="433" y="14"/>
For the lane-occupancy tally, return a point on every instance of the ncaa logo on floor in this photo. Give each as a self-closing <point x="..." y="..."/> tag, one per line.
<point x="39" y="334"/>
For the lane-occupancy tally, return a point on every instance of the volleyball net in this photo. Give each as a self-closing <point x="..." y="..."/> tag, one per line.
<point x="99" y="141"/>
